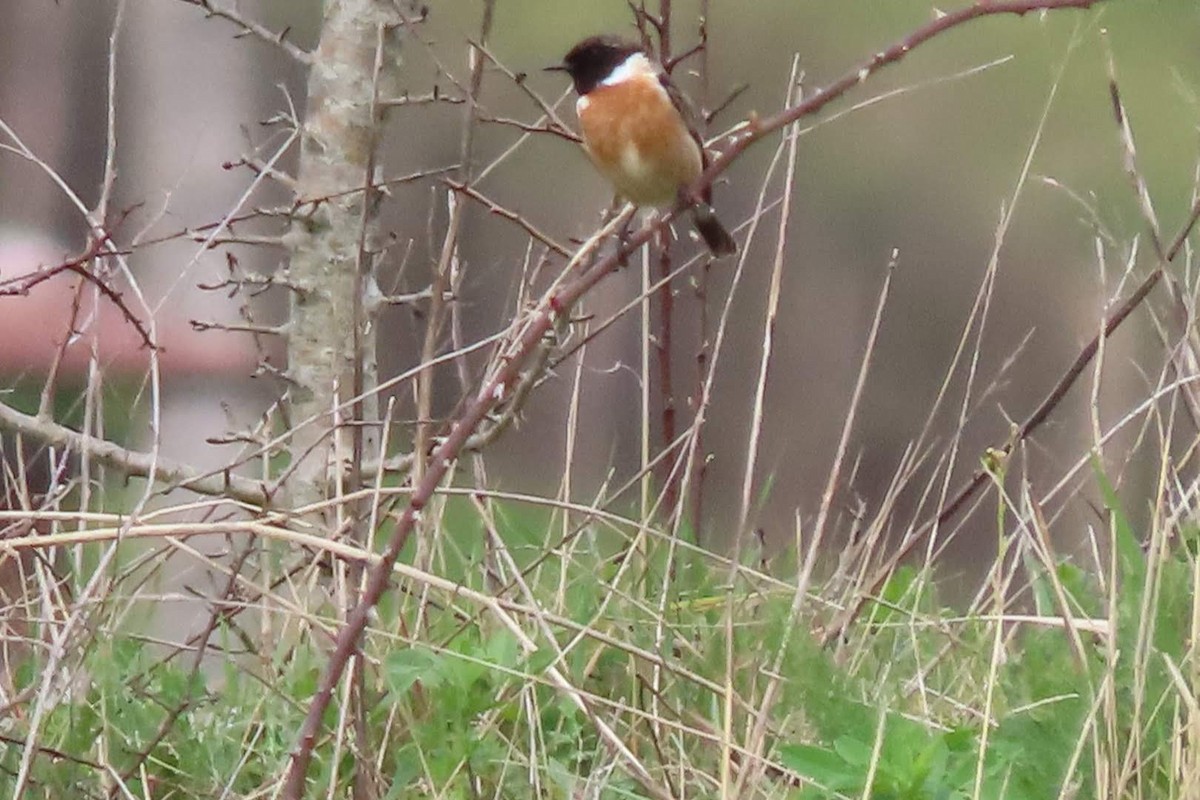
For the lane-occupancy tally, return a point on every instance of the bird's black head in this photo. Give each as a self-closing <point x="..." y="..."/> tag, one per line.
<point x="592" y="60"/>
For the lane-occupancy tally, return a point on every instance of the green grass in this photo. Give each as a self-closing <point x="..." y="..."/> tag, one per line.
<point x="458" y="705"/>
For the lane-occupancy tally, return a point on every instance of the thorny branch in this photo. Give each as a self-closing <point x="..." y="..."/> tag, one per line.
<point x="752" y="131"/>
<point x="539" y="323"/>
<point x="251" y="28"/>
<point x="982" y="476"/>
<point x="99" y="248"/>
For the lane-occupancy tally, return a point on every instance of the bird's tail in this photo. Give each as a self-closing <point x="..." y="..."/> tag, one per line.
<point x="719" y="240"/>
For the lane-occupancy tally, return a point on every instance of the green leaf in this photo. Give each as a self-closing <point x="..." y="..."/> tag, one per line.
<point x="503" y="650"/>
<point x="403" y="668"/>
<point x="853" y="751"/>
<point x="818" y="765"/>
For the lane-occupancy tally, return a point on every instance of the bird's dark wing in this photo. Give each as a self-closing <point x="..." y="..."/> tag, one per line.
<point x="691" y="118"/>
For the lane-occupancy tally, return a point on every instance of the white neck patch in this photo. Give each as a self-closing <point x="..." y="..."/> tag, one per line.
<point x="636" y="65"/>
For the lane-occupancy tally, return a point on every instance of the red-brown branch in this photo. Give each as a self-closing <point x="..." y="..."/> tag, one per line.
<point x="539" y="324"/>
<point x="99" y="248"/>
<point x="761" y="128"/>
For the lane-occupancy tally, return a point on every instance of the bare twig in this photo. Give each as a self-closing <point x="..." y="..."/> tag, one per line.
<point x="22" y="284"/>
<point x="296" y="207"/>
<point x="533" y="127"/>
<point x="133" y="462"/>
<point x="251" y="28"/>
<point x="519" y="79"/>
<point x="512" y="216"/>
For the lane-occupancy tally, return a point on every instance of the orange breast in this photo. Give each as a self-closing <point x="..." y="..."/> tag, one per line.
<point x="637" y="140"/>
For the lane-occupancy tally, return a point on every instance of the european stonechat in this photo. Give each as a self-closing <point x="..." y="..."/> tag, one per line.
<point x="636" y="130"/>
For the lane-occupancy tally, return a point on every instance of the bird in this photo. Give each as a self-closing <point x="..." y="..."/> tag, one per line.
<point x="637" y="130"/>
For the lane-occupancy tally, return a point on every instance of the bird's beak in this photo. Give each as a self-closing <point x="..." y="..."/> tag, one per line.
<point x="555" y="68"/>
